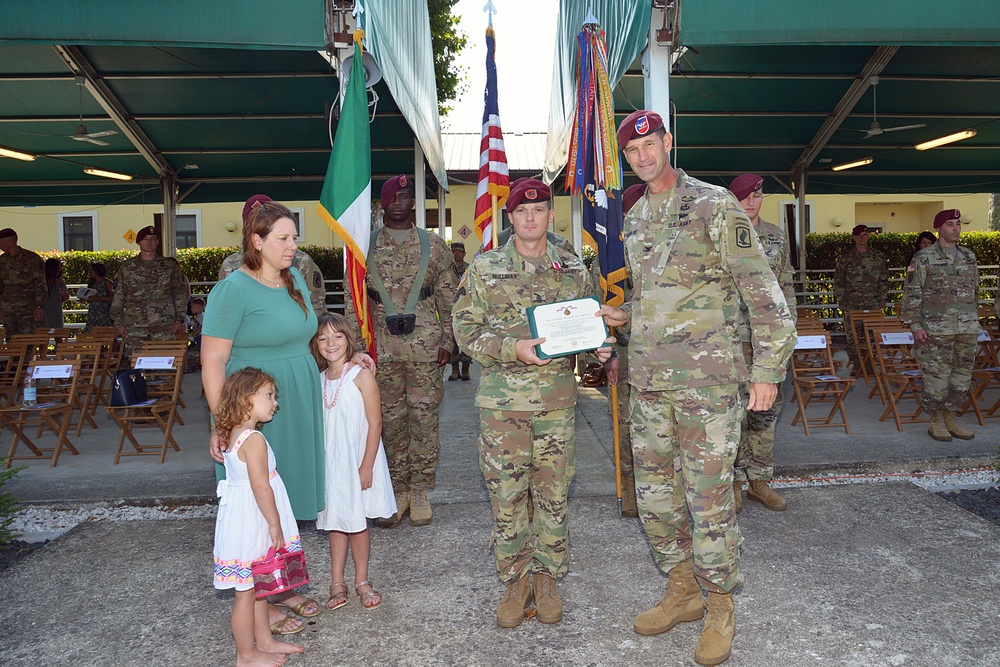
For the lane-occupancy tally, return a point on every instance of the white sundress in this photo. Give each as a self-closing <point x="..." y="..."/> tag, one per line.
<point x="345" y="428"/>
<point x="241" y="532"/>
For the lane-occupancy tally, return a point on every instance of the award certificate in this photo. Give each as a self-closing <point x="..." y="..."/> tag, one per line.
<point x="568" y="327"/>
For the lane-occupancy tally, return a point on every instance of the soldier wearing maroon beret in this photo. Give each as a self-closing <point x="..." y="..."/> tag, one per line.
<point x="23" y="289"/>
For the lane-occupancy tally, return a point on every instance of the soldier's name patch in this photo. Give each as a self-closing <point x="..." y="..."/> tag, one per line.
<point x="503" y="276"/>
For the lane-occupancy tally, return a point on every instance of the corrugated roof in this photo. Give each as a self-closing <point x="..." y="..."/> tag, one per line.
<point x="525" y="151"/>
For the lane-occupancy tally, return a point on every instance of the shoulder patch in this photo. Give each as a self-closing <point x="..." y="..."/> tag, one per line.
<point x="743" y="235"/>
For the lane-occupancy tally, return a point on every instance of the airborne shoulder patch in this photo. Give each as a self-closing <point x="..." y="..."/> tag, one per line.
<point x="740" y="238"/>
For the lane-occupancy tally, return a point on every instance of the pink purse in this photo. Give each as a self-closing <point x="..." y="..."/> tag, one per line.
<point x="278" y="571"/>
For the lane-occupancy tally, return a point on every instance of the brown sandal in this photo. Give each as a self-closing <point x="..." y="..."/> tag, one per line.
<point x="340" y="598"/>
<point x="372" y="596"/>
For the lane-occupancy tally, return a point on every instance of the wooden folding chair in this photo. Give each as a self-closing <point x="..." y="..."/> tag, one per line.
<point x="985" y="377"/>
<point x="113" y="349"/>
<point x="900" y="374"/>
<point x="159" y="348"/>
<point x="19" y="351"/>
<point x="860" y="320"/>
<point x="815" y="380"/>
<point x="91" y="355"/>
<point x="56" y="385"/>
<point x="159" y="411"/>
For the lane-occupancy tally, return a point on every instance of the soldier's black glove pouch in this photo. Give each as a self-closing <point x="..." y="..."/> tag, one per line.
<point x="400" y="325"/>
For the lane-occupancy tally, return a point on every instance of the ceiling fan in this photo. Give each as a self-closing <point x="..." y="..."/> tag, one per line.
<point x="876" y="129"/>
<point x="81" y="133"/>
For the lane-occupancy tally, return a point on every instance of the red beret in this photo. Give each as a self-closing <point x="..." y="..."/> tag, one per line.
<point x="632" y="194"/>
<point x="744" y="184"/>
<point x="253" y="203"/>
<point x="527" y="190"/>
<point x="146" y="231"/>
<point x="858" y="229"/>
<point x="946" y="215"/>
<point x="392" y="186"/>
<point x="638" y="124"/>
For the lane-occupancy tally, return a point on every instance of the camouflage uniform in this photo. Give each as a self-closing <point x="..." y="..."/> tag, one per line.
<point x="941" y="296"/>
<point x="408" y="376"/>
<point x="306" y="266"/>
<point x="457" y="355"/>
<point x="527" y="428"/>
<point x="691" y="261"/>
<point x="755" y="458"/>
<point x="149" y="297"/>
<point x="860" y="282"/>
<point x="22" y="281"/>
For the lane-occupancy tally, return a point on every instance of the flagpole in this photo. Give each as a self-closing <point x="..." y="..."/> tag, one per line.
<point x="618" y="446"/>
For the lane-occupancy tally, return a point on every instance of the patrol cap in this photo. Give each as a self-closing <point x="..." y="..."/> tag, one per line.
<point x="146" y="231"/>
<point x="527" y="190"/>
<point x="744" y="184"/>
<point x="7" y="233"/>
<point x="457" y="245"/>
<point x="392" y="186"/>
<point x="638" y="124"/>
<point x="253" y="203"/>
<point x="632" y="194"/>
<point x="859" y="229"/>
<point x="939" y="219"/>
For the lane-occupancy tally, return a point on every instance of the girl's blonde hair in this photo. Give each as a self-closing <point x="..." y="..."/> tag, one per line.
<point x="235" y="405"/>
<point x="340" y="324"/>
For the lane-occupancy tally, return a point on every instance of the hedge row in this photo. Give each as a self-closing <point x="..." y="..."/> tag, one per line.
<point x="823" y="250"/>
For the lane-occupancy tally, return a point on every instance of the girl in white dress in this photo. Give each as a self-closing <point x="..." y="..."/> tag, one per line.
<point x="254" y="512"/>
<point x="358" y="487"/>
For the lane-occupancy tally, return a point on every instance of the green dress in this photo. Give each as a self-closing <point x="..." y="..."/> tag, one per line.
<point x="269" y="331"/>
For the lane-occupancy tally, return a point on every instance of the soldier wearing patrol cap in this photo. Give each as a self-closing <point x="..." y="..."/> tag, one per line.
<point x="302" y="261"/>
<point x="526" y="404"/>
<point x="755" y="458"/>
<point x="411" y="291"/>
<point x="692" y="255"/>
<point x="940" y="305"/>
<point x="151" y="293"/>
<point x="860" y="282"/>
<point x="23" y="289"/>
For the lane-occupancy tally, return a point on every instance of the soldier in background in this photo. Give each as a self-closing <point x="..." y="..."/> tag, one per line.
<point x="755" y="457"/>
<point x="457" y="356"/>
<point x="526" y="404"/>
<point x="302" y="261"/>
<point x="23" y="289"/>
<point x="860" y="282"/>
<point x="150" y="301"/>
<point x="692" y="255"/>
<point x="940" y="305"/>
<point x="411" y="347"/>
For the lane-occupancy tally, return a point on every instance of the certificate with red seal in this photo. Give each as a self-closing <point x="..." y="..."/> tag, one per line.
<point x="568" y="327"/>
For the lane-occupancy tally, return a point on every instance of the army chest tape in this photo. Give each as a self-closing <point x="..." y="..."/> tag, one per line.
<point x="401" y="325"/>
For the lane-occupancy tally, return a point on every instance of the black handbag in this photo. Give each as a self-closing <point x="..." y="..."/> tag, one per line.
<point x="128" y="388"/>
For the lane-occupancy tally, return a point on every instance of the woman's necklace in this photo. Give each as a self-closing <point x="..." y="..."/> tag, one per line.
<point x="268" y="283"/>
<point x="326" y="381"/>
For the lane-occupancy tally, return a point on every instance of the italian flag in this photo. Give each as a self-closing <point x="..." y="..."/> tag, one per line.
<point x="346" y="202"/>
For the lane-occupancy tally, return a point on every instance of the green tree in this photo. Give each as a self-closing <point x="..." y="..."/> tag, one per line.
<point x="446" y="42"/>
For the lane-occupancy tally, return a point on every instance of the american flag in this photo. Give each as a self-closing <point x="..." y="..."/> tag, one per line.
<point x="494" y="180"/>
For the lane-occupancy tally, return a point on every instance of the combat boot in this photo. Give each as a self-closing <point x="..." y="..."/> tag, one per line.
<point x="937" y="429"/>
<point x="510" y="612"/>
<point x="402" y="506"/>
<point x="420" y="508"/>
<point x="682" y="602"/>
<point x="465" y="371"/>
<point x="959" y="432"/>
<point x="716" y="641"/>
<point x="548" y="606"/>
<point x="738" y="496"/>
<point x="629" y="506"/>
<point x="454" y="373"/>
<point x="760" y="491"/>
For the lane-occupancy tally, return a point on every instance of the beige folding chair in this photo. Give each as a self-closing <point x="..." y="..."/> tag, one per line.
<point x="56" y="385"/>
<point x="815" y="380"/>
<point x="159" y="411"/>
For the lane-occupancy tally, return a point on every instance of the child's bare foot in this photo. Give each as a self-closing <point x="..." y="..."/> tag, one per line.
<point x="260" y="659"/>
<point x="272" y="645"/>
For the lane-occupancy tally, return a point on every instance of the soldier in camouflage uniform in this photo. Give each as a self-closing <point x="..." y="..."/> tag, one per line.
<point x="692" y="255"/>
<point x="526" y="417"/>
<point x="860" y="282"/>
<point x="151" y="293"/>
<point x="302" y="261"/>
<point x="940" y="305"/>
<point x="409" y="365"/>
<point x="755" y="457"/>
<point x="23" y="289"/>
<point x="459" y="358"/>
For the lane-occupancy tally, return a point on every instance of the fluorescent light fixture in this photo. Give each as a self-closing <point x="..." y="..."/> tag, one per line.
<point x="851" y="165"/>
<point x="107" y="174"/>
<point x="17" y="155"/>
<point x="941" y="141"/>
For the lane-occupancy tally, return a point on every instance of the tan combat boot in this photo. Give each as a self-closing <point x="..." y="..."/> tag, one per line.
<point x="760" y="490"/>
<point x="420" y="508"/>
<point x="548" y="606"/>
<point x="682" y="602"/>
<point x="937" y="429"/>
<point x="402" y="506"/>
<point x="959" y="432"/>
<point x="465" y="372"/>
<point x="510" y="612"/>
<point x="629" y="506"/>
<point x="738" y="496"/>
<point x="716" y="641"/>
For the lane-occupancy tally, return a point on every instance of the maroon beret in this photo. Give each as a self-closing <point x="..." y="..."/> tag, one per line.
<point x="146" y="231"/>
<point x="7" y="233"/>
<point x="253" y="203"/>
<point x="946" y="215"/>
<point x="638" y="124"/>
<point x="858" y="229"/>
<point x="392" y="186"/>
<point x="527" y="190"/>
<point x="632" y="194"/>
<point x="744" y="184"/>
